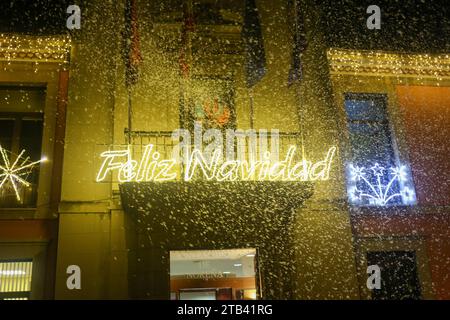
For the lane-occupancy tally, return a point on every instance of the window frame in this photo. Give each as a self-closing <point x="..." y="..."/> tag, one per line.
<point x="414" y="275"/>
<point x="393" y="243"/>
<point x="19" y="118"/>
<point x="386" y="124"/>
<point x="393" y="148"/>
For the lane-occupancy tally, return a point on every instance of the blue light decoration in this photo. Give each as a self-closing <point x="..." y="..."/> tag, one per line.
<point x="380" y="186"/>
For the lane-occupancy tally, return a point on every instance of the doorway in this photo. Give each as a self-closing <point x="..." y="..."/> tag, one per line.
<point x="213" y="274"/>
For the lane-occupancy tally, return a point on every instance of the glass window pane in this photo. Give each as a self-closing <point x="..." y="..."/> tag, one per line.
<point x="371" y="180"/>
<point x="15" y="279"/>
<point x="20" y="99"/>
<point x="24" y="133"/>
<point x="369" y="110"/>
<point x="399" y="279"/>
<point x="31" y="138"/>
<point x="370" y="138"/>
<point x="213" y="274"/>
<point x="370" y="143"/>
<point x="6" y="133"/>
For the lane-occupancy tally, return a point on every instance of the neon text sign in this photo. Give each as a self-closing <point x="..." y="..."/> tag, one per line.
<point x="152" y="168"/>
<point x="216" y="155"/>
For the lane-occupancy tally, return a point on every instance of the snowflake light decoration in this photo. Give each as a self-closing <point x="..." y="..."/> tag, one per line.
<point x="16" y="172"/>
<point x="380" y="186"/>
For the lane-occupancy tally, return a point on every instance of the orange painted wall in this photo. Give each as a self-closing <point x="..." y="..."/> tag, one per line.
<point x="27" y="230"/>
<point x="427" y="122"/>
<point x="435" y="228"/>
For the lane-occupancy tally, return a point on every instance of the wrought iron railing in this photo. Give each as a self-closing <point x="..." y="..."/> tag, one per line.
<point x="163" y="142"/>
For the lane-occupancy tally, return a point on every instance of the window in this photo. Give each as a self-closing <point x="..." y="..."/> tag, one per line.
<point x="374" y="176"/>
<point x="6" y="133"/>
<point x="21" y="131"/>
<point x="368" y="126"/>
<point x="399" y="276"/>
<point x="15" y="279"/>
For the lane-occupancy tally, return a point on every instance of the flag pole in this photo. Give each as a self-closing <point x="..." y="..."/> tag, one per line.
<point x="252" y="109"/>
<point x="255" y="60"/>
<point x="133" y="58"/>
<point x="299" y="47"/>
<point x="185" y="59"/>
<point x="295" y="76"/>
<point x="301" y="115"/>
<point x="130" y="114"/>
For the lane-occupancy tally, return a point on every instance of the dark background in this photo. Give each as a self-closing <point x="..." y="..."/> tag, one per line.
<point x="406" y="25"/>
<point x="34" y="16"/>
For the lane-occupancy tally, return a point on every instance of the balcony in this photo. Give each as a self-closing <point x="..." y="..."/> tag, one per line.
<point x="247" y="145"/>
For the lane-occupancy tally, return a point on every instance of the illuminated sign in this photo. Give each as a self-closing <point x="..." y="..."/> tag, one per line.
<point x="215" y="155"/>
<point x="16" y="171"/>
<point x="380" y="186"/>
<point x="150" y="167"/>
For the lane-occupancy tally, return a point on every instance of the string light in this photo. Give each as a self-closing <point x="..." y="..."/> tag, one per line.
<point x="15" y="172"/>
<point x="152" y="168"/>
<point x="366" y="185"/>
<point x="32" y="48"/>
<point x="436" y="66"/>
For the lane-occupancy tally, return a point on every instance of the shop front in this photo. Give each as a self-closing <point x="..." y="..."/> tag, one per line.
<point x="211" y="240"/>
<point x="213" y="274"/>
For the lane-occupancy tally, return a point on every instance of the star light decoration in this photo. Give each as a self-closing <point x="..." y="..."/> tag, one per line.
<point x="15" y="173"/>
<point x="380" y="186"/>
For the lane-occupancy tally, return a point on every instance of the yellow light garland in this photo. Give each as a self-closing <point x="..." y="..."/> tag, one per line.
<point x="54" y="49"/>
<point x="436" y="66"/>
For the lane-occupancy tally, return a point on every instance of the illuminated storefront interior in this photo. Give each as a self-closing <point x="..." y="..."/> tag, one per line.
<point x="15" y="280"/>
<point x="213" y="275"/>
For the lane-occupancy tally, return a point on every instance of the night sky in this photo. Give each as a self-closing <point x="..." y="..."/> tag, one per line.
<point x="407" y="25"/>
<point x="35" y="16"/>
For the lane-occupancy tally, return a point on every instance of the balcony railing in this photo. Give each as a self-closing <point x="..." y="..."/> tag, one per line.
<point x="277" y="144"/>
<point x="165" y="143"/>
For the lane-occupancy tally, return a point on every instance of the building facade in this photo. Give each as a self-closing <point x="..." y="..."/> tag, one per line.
<point x="371" y="126"/>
